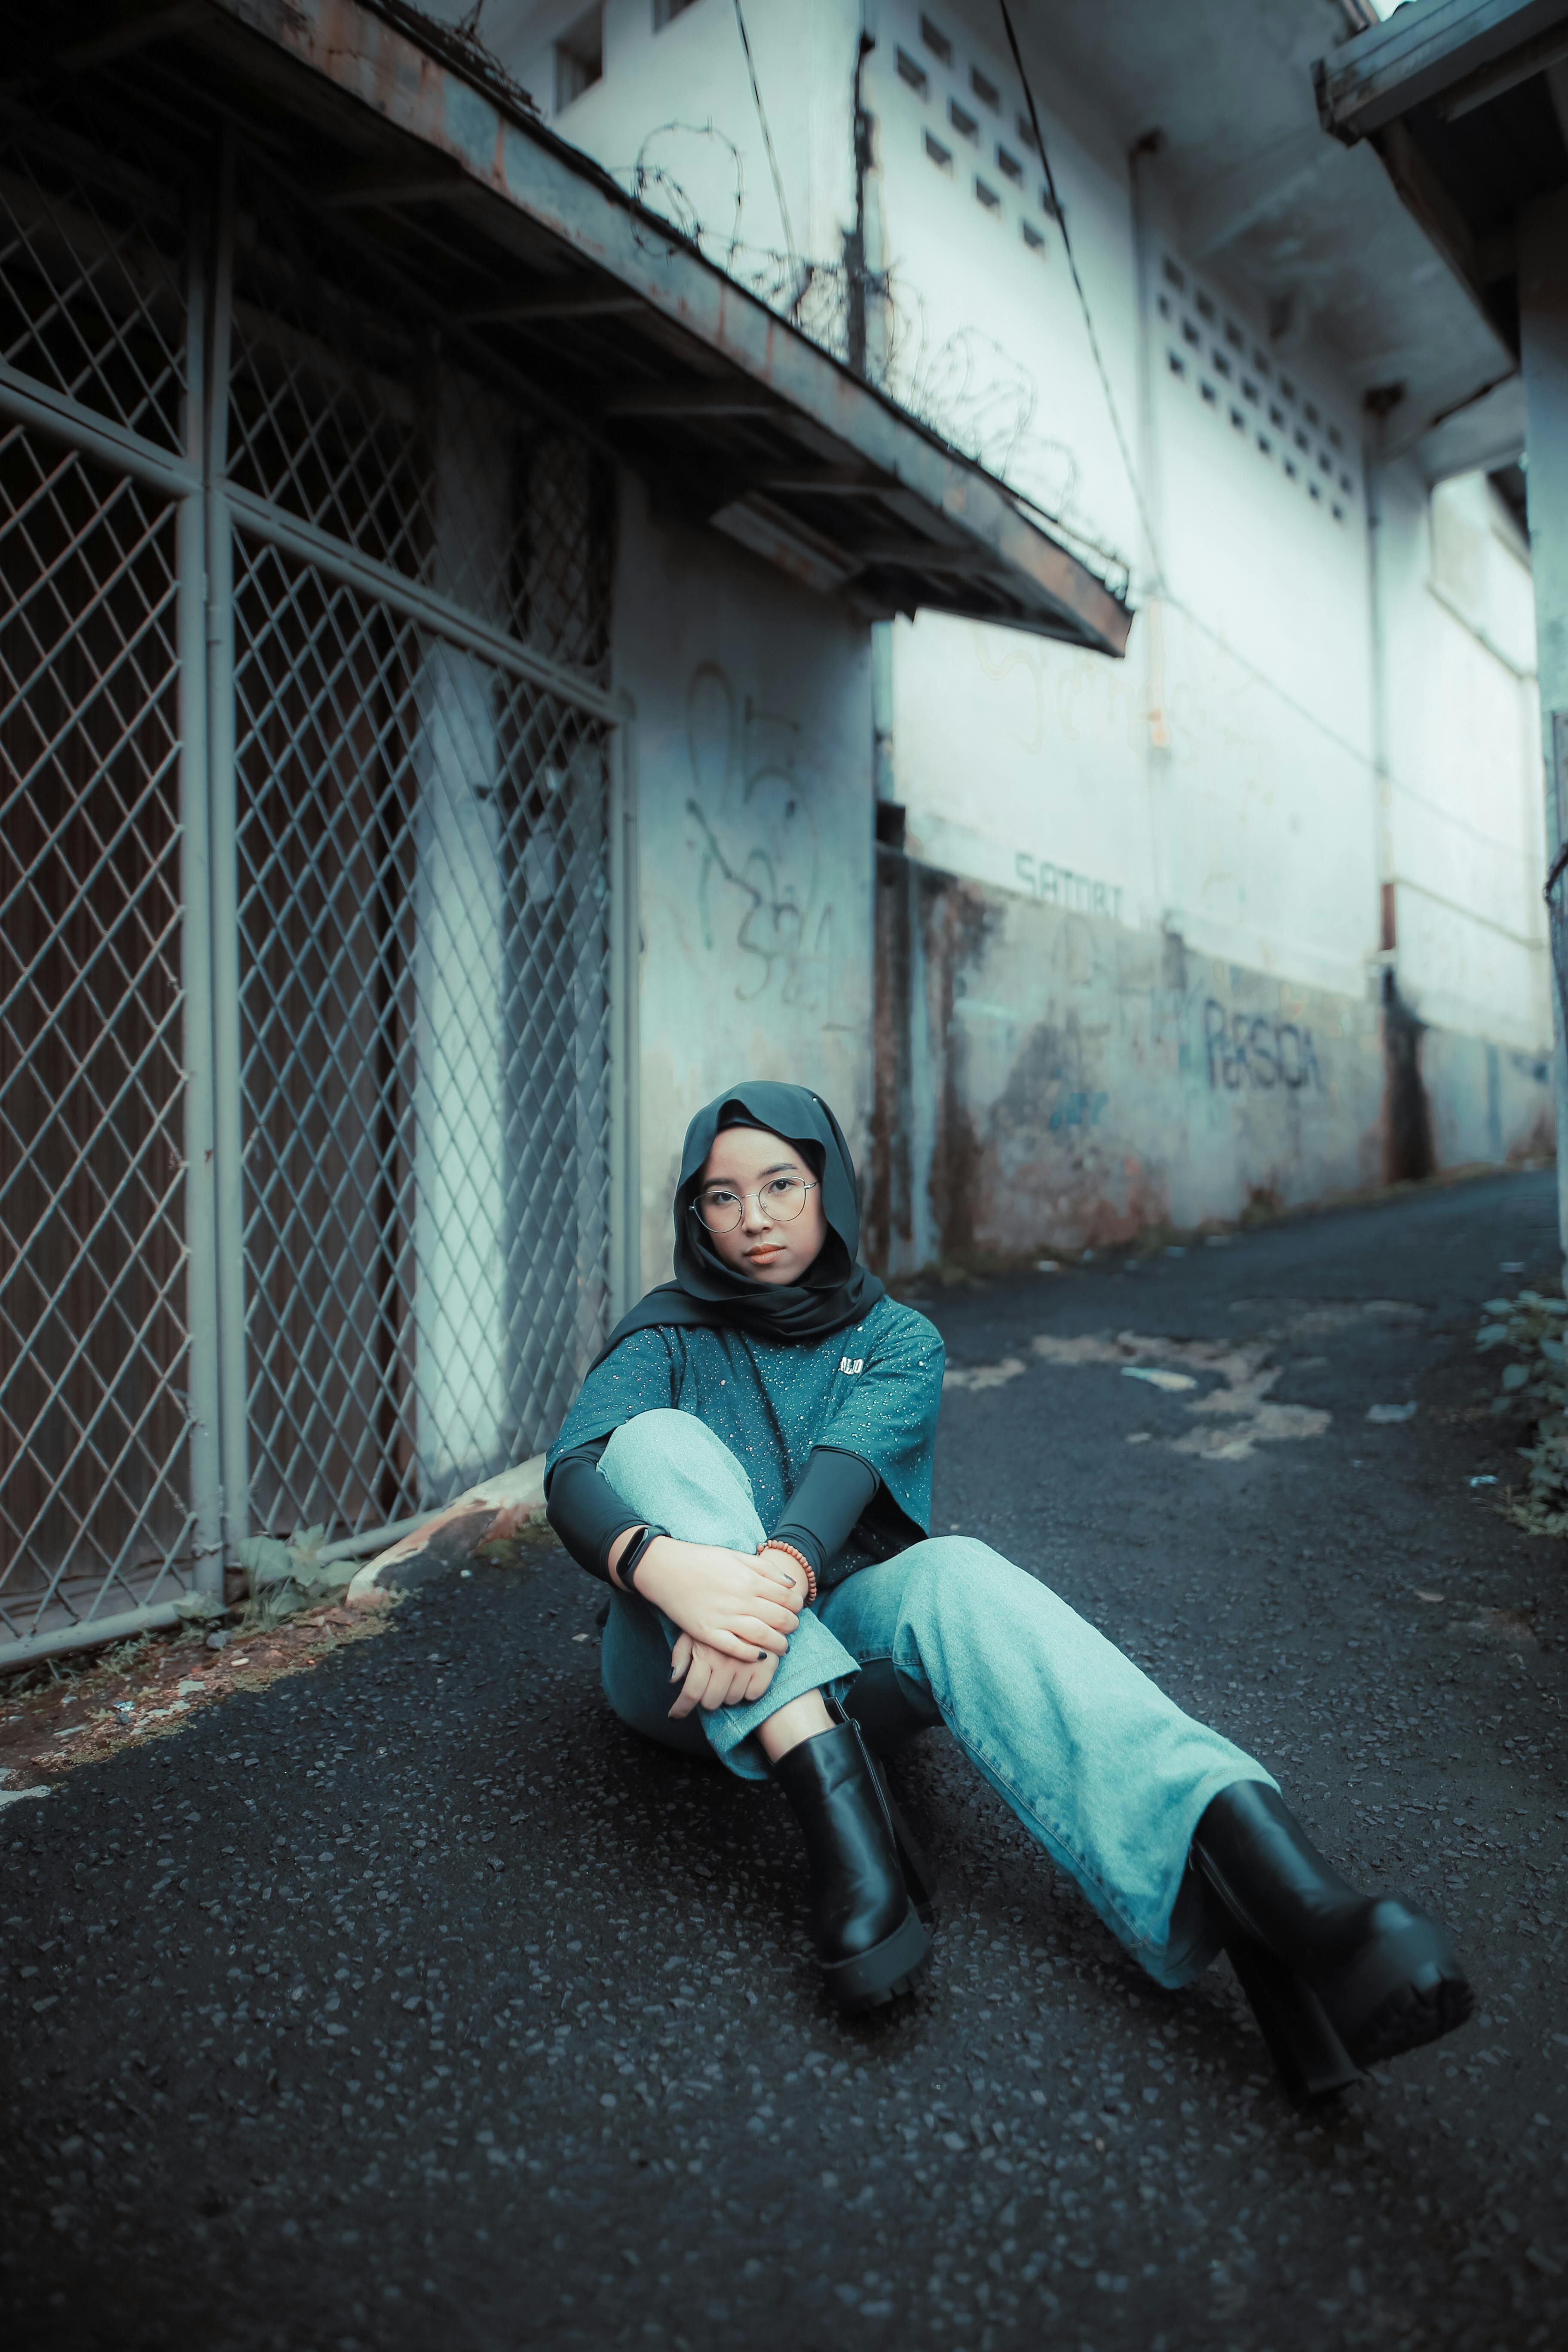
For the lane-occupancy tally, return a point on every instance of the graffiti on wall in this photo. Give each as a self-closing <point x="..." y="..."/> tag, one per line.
<point x="762" y="883"/>
<point x="1249" y="1051"/>
<point x="1057" y="885"/>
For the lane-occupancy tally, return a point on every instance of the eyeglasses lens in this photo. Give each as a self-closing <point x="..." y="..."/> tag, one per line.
<point x="782" y="1198"/>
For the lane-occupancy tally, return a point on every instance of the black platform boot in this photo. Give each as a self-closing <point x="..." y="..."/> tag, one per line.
<point x="1338" y="1979"/>
<point x="868" y="1936"/>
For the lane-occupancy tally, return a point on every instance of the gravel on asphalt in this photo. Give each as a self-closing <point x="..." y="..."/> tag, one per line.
<point x="415" y="2003"/>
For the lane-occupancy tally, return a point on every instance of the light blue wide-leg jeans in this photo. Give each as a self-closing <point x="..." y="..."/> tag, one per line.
<point x="1102" y="1769"/>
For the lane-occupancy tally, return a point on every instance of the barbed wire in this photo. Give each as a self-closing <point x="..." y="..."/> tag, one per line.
<point x="966" y="387"/>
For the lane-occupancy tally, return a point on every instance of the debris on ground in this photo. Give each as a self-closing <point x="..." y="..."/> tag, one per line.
<point x="64" y="1712"/>
<point x="1236" y="1411"/>
<point x="1535" y="1382"/>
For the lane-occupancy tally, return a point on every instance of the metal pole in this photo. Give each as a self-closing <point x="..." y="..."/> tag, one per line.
<point x="195" y="954"/>
<point x="625" y="973"/>
<point x="227" y="1123"/>
<point x="1543" y="342"/>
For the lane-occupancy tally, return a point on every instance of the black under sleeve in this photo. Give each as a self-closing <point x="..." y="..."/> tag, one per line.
<point x="834" y="1490"/>
<point x="584" y="1509"/>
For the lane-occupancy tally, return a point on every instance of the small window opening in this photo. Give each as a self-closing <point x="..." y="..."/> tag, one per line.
<point x="1032" y="237"/>
<point x="1174" y="277"/>
<point x="1311" y="414"/>
<point x="1211" y="395"/>
<point x="1164" y="302"/>
<point x="1249" y="389"/>
<point x="1260" y="363"/>
<point x="1277" y="417"/>
<point x="987" y="194"/>
<point x="1221" y="362"/>
<point x="936" y="41"/>
<point x="665" y="12"/>
<point x="1234" y="336"/>
<point x="1334" y="439"/>
<point x="1190" y="333"/>
<point x="1287" y="389"/>
<point x="1176" y="364"/>
<point x="1008" y="164"/>
<point x="1265" y="446"/>
<point x="940" y="155"/>
<point x="579" y="58"/>
<point x="1290" y="468"/>
<point x="1206" y="308"/>
<point x="986" y="91"/>
<point x="914" y="73"/>
<point x="962" y="121"/>
<point x="1026" y="133"/>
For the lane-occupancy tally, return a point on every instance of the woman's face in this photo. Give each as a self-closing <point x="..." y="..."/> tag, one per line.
<point x="751" y="1184"/>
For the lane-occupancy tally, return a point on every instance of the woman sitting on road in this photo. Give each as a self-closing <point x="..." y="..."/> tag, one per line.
<point x="748" y="1465"/>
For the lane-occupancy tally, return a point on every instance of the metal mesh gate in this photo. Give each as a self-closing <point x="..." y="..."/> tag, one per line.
<point x="307" y="1089"/>
<point x="424" y="952"/>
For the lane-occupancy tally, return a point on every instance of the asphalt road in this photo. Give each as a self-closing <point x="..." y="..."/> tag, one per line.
<point x="412" y="2002"/>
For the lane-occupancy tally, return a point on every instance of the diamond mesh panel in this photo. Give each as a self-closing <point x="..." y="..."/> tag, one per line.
<point x="91" y="280"/>
<point x="348" y="410"/>
<point x="425" y="960"/>
<point x="93" y="1418"/>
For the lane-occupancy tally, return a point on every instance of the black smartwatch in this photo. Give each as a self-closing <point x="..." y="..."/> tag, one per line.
<point x="628" y="1567"/>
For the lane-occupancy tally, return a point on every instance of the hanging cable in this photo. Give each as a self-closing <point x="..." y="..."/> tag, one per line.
<point x="1137" y="487"/>
<point x="773" y="159"/>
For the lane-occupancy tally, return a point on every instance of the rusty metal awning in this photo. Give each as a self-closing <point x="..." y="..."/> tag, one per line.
<point x="615" y="321"/>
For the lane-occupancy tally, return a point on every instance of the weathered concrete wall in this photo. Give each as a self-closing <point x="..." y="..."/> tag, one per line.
<point x="752" y="755"/>
<point x="1048" y="1078"/>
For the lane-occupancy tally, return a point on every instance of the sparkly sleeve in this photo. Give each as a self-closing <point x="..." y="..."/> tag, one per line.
<point x="886" y="1410"/>
<point x="638" y="1377"/>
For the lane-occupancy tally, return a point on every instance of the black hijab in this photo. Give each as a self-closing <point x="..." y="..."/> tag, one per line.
<point x="706" y="1292"/>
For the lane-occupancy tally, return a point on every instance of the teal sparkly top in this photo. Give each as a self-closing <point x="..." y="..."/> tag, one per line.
<point x="872" y="1389"/>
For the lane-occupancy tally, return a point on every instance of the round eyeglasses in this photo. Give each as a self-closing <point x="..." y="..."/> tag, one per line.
<point x="722" y="1208"/>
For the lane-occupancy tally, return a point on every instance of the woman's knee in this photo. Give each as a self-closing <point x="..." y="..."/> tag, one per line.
<point x="952" y="1578"/>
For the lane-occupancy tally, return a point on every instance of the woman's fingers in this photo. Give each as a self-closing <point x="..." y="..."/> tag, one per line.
<point x="777" y="1613"/>
<point x="761" y="1636"/>
<point x="699" y="1677"/>
<point x="680" y="1657"/>
<point x="723" y="1689"/>
<point x="743" y="1647"/>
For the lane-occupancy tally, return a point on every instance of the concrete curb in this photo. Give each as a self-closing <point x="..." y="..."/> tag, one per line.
<point x="488" y="1513"/>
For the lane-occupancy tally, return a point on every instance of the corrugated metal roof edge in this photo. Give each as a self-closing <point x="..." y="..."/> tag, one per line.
<point x="378" y="52"/>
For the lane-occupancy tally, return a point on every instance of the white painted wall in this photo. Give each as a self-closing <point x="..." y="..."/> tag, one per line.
<point x="1224" y="782"/>
<point x="753" y="797"/>
<point x="1464" y="804"/>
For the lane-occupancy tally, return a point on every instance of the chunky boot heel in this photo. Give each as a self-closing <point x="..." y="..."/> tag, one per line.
<point x="1312" y="2062"/>
<point x="870" y="1942"/>
<point x="1385" y="1977"/>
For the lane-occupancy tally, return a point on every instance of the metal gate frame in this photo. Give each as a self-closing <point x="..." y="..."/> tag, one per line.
<point x="208" y="509"/>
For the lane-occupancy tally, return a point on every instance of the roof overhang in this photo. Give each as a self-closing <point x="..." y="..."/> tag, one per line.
<point x="733" y="414"/>
<point x="1465" y="102"/>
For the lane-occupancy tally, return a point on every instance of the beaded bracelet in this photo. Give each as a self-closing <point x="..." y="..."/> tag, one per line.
<point x="773" y="1544"/>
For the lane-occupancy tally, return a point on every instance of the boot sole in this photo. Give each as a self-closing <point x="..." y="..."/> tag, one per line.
<point x="1432" y="2003"/>
<point x="1403" y="1989"/>
<point x="874" y="1977"/>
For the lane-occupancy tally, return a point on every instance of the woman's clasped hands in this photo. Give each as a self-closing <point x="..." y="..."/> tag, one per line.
<point x="736" y="1614"/>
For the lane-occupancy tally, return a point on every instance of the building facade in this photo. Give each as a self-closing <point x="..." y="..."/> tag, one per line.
<point x="1253" y="918"/>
